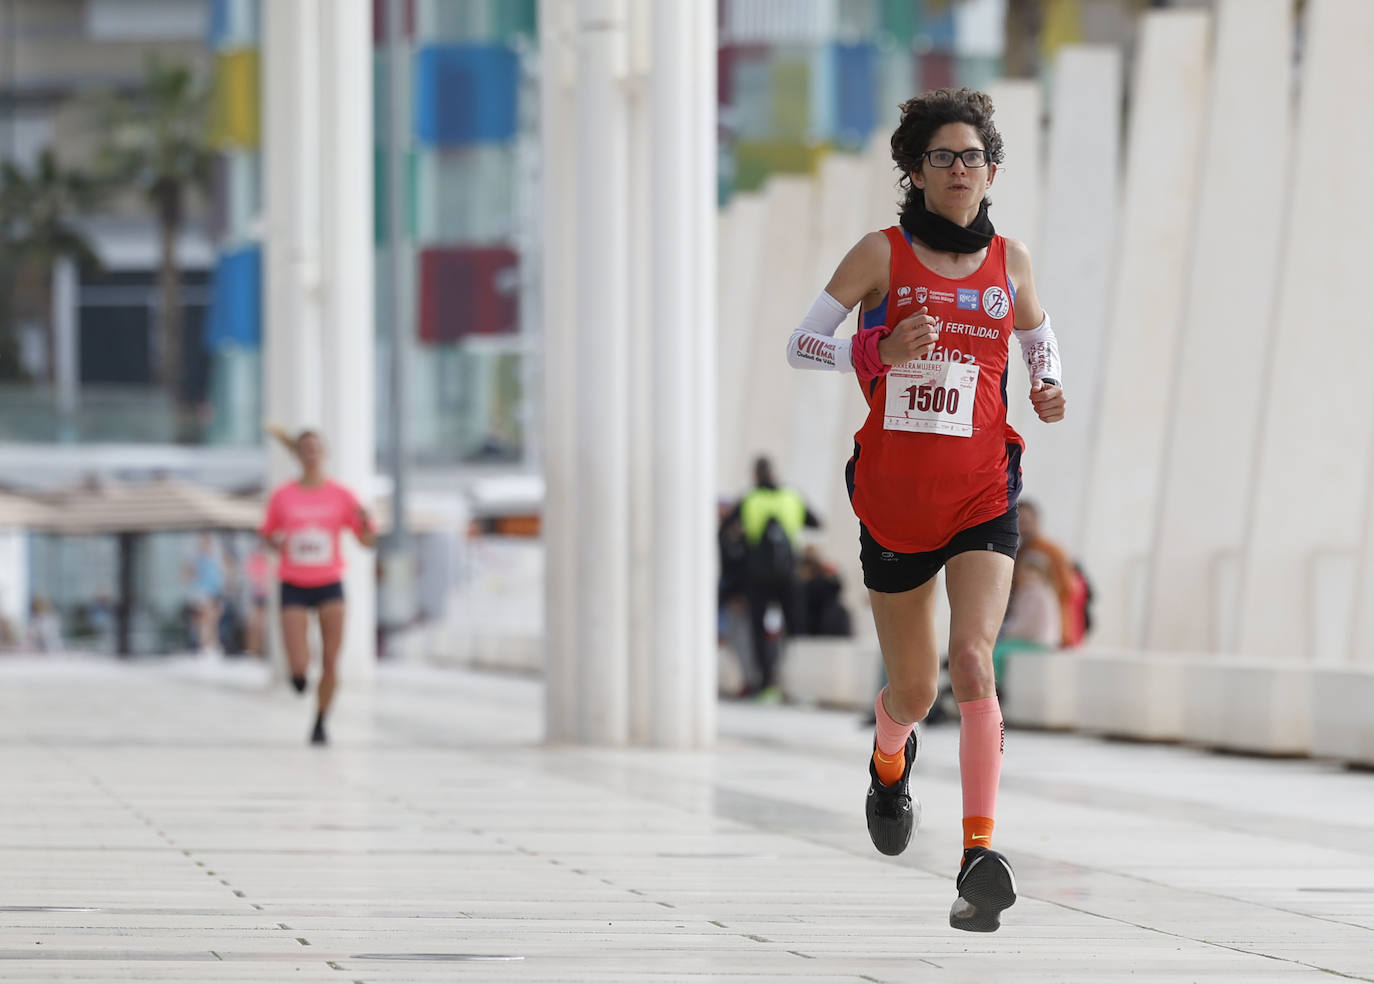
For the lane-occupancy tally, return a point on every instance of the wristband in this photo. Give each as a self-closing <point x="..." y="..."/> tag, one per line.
<point x="868" y="364"/>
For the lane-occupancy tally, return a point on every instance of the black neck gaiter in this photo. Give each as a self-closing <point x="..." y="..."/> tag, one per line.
<point x="939" y="233"/>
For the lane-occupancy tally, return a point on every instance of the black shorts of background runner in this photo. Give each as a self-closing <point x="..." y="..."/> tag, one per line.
<point x="314" y="597"/>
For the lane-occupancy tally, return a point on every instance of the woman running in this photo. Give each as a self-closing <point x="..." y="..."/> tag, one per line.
<point x="303" y="522"/>
<point x="936" y="474"/>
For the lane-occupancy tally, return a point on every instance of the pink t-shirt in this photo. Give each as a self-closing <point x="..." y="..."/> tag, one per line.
<point x="311" y="517"/>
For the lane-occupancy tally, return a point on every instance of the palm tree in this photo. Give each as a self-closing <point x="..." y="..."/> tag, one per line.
<point x="157" y="140"/>
<point x="37" y="209"/>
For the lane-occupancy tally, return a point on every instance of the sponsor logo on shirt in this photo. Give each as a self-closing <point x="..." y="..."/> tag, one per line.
<point x="941" y="297"/>
<point x="968" y="299"/>
<point x="920" y="295"/>
<point x="904" y="295"/>
<point x="973" y="331"/>
<point x="995" y="302"/>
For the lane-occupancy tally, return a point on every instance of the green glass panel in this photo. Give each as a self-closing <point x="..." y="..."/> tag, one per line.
<point x="756" y="160"/>
<point x="791" y="83"/>
<point x="900" y="19"/>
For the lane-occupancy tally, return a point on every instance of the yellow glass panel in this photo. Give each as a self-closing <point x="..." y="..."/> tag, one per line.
<point x="235" y="116"/>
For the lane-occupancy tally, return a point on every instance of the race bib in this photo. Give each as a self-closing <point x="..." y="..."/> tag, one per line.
<point x="310" y="547"/>
<point x="932" y="397"/>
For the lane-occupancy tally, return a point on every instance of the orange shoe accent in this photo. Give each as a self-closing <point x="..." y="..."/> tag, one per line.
<point x="977" y="832"/>
<point x="889" y="767"/>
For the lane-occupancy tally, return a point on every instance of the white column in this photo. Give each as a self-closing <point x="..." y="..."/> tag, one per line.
<point x="557" y="40"/>
<point x="629" y="292"/>
<point x="601" y="408"/>
<point x="701" y="187"/>
<point x="673" y="450"/>
<point x="1018" y="197"/>
<point x="817" y="419"/>
<point x="742" y="264"/>
<point x="829" y="407"/>
<point x="782" y="294"/>
<point x="1228" y="325"/>
<point x="1073" y="274"/>
<point x="641" y="191"/>
<point x="1362" y="632"/>
<point x="67" y="339"/>
<point x="285" y="387"/>
<point x="1170" y="87"/>
<point x="682" y="398"/>
<point x="291" y="261"/>
<point x="347" y="275"/>
<point x="1311" y="484"/>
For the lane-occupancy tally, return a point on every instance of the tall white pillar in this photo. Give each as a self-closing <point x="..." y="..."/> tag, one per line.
<point x="1074" y="274"/>
<point x="284" y="392"/>
<point x="291" y="250"/>
<point x="629" y="351"/>
<point x="347" y="276"/>
<point x="701" y="188"/>
<point x="1300" y="579"/>
<point x="557" y="349"/>
<point x="67" y="339"/>
<point x="1171" y="80"/>
<point x="1228" y="326"/>
<point x="742" y="263"/>
<point x="1018" y="207"/>
<point x="681" y="404"/>
<point x="318" y="334"/>
<point x="640" y="190"/>
<point x="600" y="403"/>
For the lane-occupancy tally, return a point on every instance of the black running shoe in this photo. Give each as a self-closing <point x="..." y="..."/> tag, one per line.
<point x="892" y="813"/>
<point x="318" y="737"/>
<point x="986" y="886"/>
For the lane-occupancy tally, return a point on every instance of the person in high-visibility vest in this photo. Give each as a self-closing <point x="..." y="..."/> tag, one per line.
<point x="771" y="516"/>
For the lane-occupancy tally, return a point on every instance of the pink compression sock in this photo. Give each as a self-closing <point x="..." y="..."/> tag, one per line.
<point x="891" y="735"/>
<point x="980" y="764"/>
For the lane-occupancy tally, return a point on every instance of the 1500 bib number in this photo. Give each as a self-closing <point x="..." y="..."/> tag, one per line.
<point x="931" y="397"/>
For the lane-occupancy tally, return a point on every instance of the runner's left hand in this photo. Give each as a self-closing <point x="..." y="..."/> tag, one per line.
<point x="1048" y="401"/>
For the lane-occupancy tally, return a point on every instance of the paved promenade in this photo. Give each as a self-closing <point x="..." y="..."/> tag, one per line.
<point x="167" y="822"/>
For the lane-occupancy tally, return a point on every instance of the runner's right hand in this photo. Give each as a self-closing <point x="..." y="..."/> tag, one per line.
<point x="913" y="338"/>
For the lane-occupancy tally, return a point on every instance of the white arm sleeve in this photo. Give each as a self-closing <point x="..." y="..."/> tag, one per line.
<point x="814" y="345"/>
<point x="1040" y="349"/>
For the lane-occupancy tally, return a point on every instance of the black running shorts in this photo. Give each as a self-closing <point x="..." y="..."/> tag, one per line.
<point x="890" y="572"/>
<point x="294" y="594"/>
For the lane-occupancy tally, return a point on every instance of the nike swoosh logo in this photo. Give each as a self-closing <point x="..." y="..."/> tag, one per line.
<point x="980" y="837"/>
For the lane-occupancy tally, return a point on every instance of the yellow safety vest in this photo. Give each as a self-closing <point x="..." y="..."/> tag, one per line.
<point x="761" y="505"/>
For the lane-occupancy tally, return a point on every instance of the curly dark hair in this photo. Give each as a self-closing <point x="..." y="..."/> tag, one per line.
<point x="925" y="114"/>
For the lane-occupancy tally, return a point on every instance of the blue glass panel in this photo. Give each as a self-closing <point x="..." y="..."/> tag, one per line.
<point x="236" y="307"/>
<point x="465" y="94"/>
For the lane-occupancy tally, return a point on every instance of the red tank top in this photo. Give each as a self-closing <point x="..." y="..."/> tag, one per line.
<point x="936" y="454"/>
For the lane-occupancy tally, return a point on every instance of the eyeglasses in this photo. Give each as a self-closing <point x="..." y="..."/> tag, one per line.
<point x="973" y="157"/>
